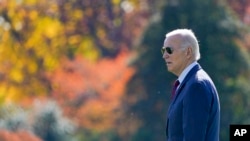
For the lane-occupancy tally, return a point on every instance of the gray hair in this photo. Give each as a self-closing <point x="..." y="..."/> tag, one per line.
<point x="188" y="39"/>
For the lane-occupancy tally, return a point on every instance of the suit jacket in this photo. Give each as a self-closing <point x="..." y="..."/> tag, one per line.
<point x="194" y="113"/>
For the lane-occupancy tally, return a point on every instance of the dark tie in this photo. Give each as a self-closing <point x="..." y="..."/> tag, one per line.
<point x="176" y="84"/>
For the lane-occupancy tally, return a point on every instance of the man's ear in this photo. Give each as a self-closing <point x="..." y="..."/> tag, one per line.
<point x="189" y="52"/>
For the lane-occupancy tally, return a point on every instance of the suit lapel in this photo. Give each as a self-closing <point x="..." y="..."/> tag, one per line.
<point x="182" y="85"/>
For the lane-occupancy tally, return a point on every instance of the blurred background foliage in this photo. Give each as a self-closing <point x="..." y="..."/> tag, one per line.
<point x="91" y="70"/>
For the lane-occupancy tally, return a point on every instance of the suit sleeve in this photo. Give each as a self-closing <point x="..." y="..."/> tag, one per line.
<point x="196" y="105"/>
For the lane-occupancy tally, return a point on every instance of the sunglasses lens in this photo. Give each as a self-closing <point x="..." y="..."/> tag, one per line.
<point x="167" y="49"/>
<point x="162" y="50"/>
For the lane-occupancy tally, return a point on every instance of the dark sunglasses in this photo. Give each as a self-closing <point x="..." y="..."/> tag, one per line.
<point x="169" y="50"/>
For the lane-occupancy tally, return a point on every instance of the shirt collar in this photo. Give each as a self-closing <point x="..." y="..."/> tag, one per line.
<point x="186" y="70"/>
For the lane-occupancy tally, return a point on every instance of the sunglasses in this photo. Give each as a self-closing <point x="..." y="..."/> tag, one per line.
<point x="169" y="50"/>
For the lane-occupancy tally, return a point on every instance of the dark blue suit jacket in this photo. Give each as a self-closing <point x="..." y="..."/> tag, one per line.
<point x="194" y="113"/>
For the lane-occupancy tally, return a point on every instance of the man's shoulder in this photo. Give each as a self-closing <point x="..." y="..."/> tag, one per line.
<point x="199" y="77"/>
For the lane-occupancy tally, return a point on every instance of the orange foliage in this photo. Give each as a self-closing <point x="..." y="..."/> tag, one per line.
<point x="17" y="136"/>
<point x="242" y="9"/>
<point x="91" y="92"/>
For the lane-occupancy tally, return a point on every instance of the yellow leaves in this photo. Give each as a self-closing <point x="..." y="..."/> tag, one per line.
<point x="50" y="61"/>
<point x="52" y="30"/>
<point x="11" y="4"/>
<point x="87" y="49"/>
<point x="116" y="2"/>
<point x="15" y="12"/>
<point x="49" y="27"/>
<point x="44" y="27"/>
<point x="77" y="14"/>
<point x="16" y="75"/>
<point x="30" y="2"/>
<point x="17" y="19"/>
<point x="8" y="94"/>
<point x="33" y="15"/>
<point x="74" y="39"/>
<point x="101" y="33"/>
<point x="2" y="94"/>
<point x="12" y="66"/>
<point x="32" y="67"/>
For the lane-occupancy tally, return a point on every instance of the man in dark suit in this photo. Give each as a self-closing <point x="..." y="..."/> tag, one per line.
<point x="194" y="111"/>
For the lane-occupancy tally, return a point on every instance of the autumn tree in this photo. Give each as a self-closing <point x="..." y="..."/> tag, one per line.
<point x="42" y="38"/>
<point x="36" y="34"/>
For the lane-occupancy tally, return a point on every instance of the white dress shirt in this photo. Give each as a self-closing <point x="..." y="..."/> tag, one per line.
<point x="185" y="72"/>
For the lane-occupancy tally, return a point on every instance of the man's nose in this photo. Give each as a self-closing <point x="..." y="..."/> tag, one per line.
<point x="165" y="55"/>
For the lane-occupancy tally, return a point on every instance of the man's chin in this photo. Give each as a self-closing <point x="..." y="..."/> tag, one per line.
<point x="170" y="70"/>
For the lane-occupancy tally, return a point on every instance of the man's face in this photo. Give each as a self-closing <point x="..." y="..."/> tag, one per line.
<point x="176" y="60"/>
